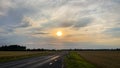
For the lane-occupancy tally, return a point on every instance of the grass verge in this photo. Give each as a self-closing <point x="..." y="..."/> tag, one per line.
<point x="73" y="60"/>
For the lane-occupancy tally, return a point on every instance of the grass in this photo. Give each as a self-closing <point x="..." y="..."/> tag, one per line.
<point x="102" y="59"/>
<point x="74" y="60"/>
<point x="6" y="56"/>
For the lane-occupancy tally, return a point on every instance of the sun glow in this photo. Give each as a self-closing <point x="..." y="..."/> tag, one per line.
<point x="59" y="33"/>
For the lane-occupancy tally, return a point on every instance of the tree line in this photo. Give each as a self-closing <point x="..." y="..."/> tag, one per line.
<point x="12" y="48"/>
<point x="23" y="48"/>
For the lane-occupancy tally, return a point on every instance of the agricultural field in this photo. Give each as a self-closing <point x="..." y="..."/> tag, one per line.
<point x="102" y="59"/>
<point x="72" y="59"/>
<point x="16" y="55"/>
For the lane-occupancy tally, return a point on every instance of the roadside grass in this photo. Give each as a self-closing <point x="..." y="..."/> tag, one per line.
<point x="6" y="56"/>
<point x="74" y="60"/>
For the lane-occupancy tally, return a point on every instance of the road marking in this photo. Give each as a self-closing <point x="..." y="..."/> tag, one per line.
<point x="50" y="63"/>
<point x="62" y="66"/>
<point x="56" y="60"/>
<point x="25" y="64"/>
<point x="39" y="64"/>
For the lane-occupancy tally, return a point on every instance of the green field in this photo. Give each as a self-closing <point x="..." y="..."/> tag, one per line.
<point x="74" y="60"/>
<point x="6" y="56"/>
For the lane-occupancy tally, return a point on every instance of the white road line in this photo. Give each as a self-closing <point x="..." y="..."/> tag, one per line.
<point x="22" y="65"/>
<point x="50" y="63"/>
<point x="39" y="64"/>
<point x="55" y="60"/>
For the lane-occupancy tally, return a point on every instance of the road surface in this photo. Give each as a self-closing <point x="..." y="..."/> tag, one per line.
<point x="53" y="61"/>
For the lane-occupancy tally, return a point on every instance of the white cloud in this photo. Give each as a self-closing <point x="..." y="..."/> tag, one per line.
<point x="90" y="17"/>
<point x="5" y="5"/>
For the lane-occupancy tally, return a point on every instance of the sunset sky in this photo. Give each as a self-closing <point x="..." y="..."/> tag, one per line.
<point x="83" y="23"/>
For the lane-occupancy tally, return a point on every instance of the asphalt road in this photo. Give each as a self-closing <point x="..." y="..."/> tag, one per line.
<point x="53" y="61"/>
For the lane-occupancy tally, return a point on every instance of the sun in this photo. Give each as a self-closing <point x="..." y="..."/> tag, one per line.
<point x="59" y="33"/>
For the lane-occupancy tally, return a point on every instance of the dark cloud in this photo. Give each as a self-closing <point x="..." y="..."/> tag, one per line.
<point x="69" y="23"/>
<point x="76" y="24"/>
<point x="15" y="15"/>
<point x="66" y="24"/>
<point x="11" y="28"/>
<point x="42" y="33"/>
<point x="83" y="22"/>
<point x="13" y="19"/>
<point x="6" y="30"/>
<point x="113" y="32"/>
<point x="24" y="25"/>
<point x="116" y="1"/>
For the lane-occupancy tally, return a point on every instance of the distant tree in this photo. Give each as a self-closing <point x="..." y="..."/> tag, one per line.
<point x="12" y="48"/>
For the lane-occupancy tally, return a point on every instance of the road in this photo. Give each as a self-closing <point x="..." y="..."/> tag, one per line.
<point x="52" y="61"/>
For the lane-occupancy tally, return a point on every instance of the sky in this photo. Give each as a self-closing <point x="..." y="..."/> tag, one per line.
<point x="84" y="23"/>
